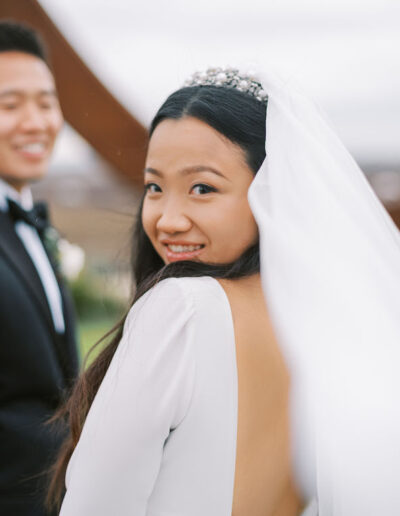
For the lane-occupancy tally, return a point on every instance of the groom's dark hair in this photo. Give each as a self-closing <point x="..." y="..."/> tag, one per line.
<point x="18" y="37"/>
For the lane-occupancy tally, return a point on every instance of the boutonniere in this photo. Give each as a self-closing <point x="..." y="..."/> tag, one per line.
<point x="68" y="259"/>
<point x="51" y="241"/>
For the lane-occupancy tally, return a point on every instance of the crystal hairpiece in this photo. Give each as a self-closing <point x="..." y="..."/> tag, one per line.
<point x="230" y="78"/>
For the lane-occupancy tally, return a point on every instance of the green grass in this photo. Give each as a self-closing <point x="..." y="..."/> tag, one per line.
<point x="90" y="331"/>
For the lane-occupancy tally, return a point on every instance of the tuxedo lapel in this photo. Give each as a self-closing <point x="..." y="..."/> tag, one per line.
<point x="13" y="250"/>
<point x="68" y="351"/>
<point x="66" y="344"/>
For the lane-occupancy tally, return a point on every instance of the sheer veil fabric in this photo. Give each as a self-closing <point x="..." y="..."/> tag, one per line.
<point x="330" y="267"/>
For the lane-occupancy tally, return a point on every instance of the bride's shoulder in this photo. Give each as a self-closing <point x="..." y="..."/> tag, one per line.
<point x="186" y="287"/>
<point x="180" y="297"/>
<point x="172" y="312"/>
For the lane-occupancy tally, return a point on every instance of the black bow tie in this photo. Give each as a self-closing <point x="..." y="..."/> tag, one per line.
<point x="37" y="217"/>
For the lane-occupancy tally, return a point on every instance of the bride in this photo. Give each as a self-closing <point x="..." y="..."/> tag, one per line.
<point x="230" y="389"/>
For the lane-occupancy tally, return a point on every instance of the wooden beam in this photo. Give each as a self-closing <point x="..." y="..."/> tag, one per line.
<point x="87" y="105"/>
<point x="394" y="212"/>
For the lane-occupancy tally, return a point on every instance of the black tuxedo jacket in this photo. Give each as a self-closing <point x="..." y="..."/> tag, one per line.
<point x="37" y="367"/>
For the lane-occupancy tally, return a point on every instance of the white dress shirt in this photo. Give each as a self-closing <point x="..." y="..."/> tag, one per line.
<point x="34" y="247"/>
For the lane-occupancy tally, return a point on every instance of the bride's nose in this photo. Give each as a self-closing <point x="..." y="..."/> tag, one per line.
<point x="173" y="219"/>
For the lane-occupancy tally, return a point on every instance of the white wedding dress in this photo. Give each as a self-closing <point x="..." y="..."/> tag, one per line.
<point x="160" y="437"/>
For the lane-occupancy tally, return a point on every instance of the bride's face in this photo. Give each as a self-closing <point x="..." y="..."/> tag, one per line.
<point x="195" y="206"/>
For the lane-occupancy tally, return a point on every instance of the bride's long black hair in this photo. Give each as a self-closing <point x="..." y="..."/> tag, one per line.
<point x="241" y="119"/>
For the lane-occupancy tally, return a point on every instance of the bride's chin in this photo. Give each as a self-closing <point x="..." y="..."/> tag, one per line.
<point x="196" y="260"/>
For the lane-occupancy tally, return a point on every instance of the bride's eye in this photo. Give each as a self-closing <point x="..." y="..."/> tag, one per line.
<point x="202" y="188"/>
<point x="152" y="188"/>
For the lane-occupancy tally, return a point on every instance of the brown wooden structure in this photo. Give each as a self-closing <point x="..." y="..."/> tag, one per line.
<point x="87" y="105"/>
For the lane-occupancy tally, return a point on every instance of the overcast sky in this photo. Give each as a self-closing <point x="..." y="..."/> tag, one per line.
<point x="344" y="52"/>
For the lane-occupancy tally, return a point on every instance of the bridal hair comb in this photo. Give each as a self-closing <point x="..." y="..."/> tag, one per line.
<point x="230" y="78"/>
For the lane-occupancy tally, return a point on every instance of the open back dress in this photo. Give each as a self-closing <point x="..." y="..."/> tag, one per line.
<point x="160" y="437"/>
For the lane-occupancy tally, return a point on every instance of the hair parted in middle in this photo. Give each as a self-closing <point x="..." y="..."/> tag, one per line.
<point x="240" y="118"/>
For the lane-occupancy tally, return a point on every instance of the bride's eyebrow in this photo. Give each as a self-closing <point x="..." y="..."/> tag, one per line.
<point x="189" y="170"/>
<point x="201" y="168"/>
<point x="150" y="170"/>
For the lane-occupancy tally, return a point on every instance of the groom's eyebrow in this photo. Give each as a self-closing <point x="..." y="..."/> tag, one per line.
<point x="20" y="93"/>
<point x="189" y="170"/>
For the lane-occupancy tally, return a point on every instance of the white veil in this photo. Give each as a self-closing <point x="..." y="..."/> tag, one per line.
<point x="330" y="266"/>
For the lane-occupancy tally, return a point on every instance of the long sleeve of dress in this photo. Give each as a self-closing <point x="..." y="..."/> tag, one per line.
<point x="144" y="396"/>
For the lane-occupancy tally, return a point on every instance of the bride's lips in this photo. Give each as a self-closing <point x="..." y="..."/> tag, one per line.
<point x="177" y="255"/>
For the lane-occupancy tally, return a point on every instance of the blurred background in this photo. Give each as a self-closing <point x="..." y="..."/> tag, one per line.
<point x="115" y="63"/>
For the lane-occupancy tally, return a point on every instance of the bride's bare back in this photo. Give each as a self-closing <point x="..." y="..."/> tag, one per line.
<point x="263" y="475"/>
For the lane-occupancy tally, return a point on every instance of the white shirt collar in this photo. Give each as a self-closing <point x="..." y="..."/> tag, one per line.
<point x="24" y="197"/>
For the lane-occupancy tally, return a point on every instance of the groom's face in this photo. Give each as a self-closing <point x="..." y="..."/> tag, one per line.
<point x="30" y="117"/>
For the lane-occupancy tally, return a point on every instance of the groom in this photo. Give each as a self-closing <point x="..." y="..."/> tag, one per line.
<point x="38" y="356"/>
